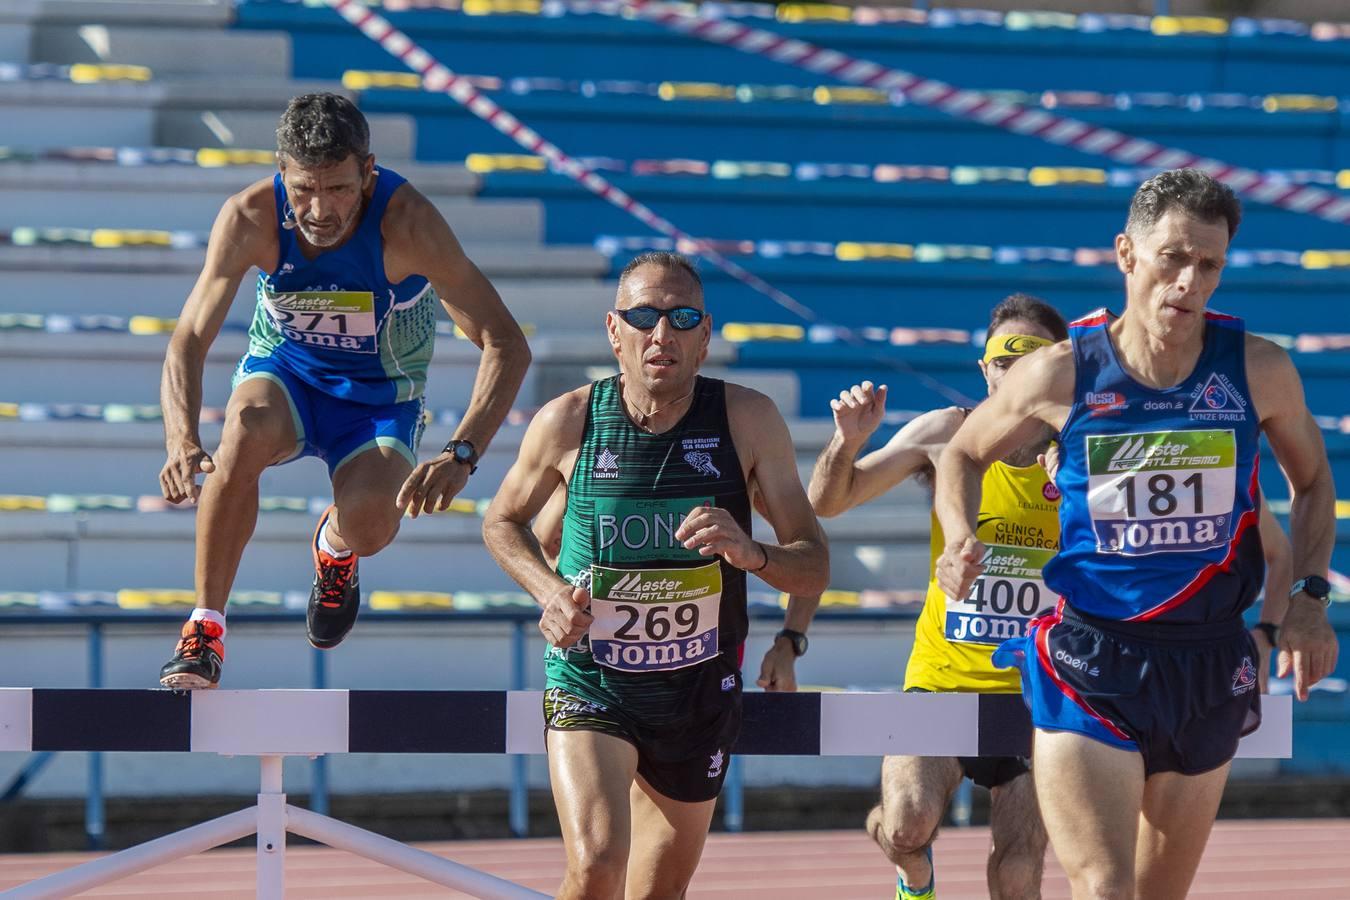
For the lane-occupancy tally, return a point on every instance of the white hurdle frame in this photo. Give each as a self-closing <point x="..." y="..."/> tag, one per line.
<point x="271" y="819"/>
<point x="273" y="724"/>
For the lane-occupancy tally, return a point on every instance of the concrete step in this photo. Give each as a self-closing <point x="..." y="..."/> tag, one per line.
<point x="177" y="198"/>
<point x="109" y="551"/>
<point x="124" y="368"/>
<point x="163" y="13"/>
<point x="241" y="113"/>
<point x="565" y="304"/>
<point x="106" y="458"/>
<point x="210" y="52"/>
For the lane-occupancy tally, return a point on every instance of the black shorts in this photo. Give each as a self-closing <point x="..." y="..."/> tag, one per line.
<point x="683" y="752"/>
<point x="990" y="772"/>
<point x="1181" y="695"/>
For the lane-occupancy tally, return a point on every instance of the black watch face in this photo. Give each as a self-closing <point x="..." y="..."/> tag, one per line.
<point x="1316" y="586"/>
<point x="463" y="452"/>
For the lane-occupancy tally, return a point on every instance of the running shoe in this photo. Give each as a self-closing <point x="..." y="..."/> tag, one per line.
<point x="335" y="598"/>
<point x="904" y="892"/>
<point x="197" y="658"/>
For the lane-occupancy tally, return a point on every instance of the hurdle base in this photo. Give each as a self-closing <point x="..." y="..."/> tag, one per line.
<point x="271" y="819"/>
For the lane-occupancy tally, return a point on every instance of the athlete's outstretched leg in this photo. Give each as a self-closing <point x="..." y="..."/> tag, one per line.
<point x="259" y="431"/>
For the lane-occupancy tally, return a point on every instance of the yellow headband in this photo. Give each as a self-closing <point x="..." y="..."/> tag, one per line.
<point x="1012" y="345"/>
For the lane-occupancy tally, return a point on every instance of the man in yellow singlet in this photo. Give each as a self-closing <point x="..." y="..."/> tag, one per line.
<point x="954" y="639"/>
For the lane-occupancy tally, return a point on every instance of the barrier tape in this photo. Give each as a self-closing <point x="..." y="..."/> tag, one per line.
<point x="891" y="251"/>
<point x="825" y="95"/>
<point x="439" y="79"/>
<point x="868" y="16"/>
<point x="976" y="107"/>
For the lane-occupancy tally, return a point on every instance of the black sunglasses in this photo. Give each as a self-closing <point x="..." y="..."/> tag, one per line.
<point x="645" y="318"/>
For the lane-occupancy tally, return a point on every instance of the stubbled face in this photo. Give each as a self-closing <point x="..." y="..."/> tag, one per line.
<point x="327" y="200"/>
<point x="663" y="360"/>
<point x="997" y="368"/>
<point x="1171" y="271"/>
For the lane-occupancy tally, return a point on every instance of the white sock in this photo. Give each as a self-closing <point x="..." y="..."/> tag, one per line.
<point x="328" y="548"/>
<point x="209" y="615"/>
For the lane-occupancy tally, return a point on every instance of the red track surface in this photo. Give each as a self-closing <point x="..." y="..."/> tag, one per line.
<point x="1245" y="859"/>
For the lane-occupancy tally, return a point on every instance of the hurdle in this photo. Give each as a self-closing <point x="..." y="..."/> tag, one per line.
<point x="274" y="724"/>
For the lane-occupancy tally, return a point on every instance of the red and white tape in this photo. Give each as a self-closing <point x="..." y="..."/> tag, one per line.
<point x="978" y="107"/>
<point x="437" y="78"/>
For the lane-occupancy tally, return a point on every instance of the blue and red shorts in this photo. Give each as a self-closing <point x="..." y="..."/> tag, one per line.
<point x="1181" y="695"/>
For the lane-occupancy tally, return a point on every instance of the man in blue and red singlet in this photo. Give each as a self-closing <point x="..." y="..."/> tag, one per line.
<point x="1144" y="678"/>
<point x="352" y="261"/>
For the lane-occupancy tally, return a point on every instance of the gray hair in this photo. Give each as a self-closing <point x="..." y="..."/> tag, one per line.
<point x="1189" y="190"/>
<point x="665" y="259"/>
<point x="322" y="129"/>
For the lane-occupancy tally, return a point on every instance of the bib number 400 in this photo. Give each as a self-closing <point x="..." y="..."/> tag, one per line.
<point x="1001" y="595"/>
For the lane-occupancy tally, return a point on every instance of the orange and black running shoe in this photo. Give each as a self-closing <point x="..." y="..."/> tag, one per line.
<point x="335" y="598"/>
<point x="197" y="659"/>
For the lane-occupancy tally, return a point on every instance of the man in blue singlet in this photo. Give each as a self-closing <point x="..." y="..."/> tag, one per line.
<point x="1142" y="681"/>
<point x="352" y="261"/>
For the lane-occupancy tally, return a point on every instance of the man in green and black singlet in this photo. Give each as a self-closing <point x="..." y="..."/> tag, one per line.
<point x="645" y="613"/>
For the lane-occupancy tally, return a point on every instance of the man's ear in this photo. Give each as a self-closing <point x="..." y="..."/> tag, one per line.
<point x="1125" y="253"/>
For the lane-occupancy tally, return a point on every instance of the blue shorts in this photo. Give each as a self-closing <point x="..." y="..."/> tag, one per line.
<point x="1179" y="695"/>
<point x="333" y="429"/>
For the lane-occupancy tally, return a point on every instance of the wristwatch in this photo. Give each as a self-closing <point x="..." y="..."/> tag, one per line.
<point x="463" y="452"/>
<point x="1270" y="630"/>
<point x="796" y="638"/>
<point x="1315" y="586"/>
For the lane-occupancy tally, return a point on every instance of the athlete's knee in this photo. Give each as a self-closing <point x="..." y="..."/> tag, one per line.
<point x="905" y="828"/>
<point x="596" y="870"/>
<point x="253" y="438"/>
<point x="365" y="530"/>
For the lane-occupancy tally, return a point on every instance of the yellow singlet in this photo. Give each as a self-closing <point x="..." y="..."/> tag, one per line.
<point x="1019" y="526"/>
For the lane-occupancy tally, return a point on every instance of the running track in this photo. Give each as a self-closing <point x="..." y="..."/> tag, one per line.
<point x="1245" y="859"/>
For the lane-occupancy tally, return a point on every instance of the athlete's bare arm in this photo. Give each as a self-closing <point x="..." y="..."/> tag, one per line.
<point x="1279" y="576"/>
<point x="1307" y="642"/>
<point x="839" y="482"/>
<point x="244" y="235"/>
<point x="547" y="453"/>
<point x="1035" y="393"/>
<point x="799" y="562"/>
<point x="418" y="241"/>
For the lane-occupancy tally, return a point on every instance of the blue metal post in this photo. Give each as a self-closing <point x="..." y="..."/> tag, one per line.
<point x="318" y="791"/>
<point x="520" y="785"/>
<point x="36" y="763"/>
<point x="733" y="813"/>
<point x="94" y="814"/>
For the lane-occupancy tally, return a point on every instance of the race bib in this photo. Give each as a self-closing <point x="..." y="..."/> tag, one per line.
<point x="1007" y="596"/>
<point x="333" y="320"/>
<point x="1162" y="491"/>
<point x="654" y="620"/>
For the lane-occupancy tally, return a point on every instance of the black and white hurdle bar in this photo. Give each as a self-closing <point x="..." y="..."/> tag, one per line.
<point x="275" y="724"/>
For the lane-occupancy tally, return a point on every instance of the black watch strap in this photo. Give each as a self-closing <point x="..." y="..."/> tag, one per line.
<point x="1270" y="630"/>
<point x="796" y="638"/>
<point x="463" y="452"/>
